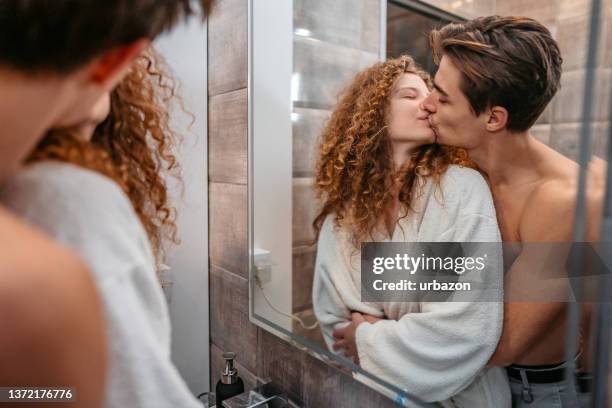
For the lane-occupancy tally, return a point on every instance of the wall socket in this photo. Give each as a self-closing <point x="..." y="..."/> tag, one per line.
<point x="263" y="265"/>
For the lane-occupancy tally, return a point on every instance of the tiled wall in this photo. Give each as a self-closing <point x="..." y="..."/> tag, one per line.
<point x="568" y="20"/>
<point x="308" y="381"/>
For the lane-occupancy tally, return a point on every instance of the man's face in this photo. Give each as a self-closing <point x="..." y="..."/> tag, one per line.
<point x="451" y="117"/>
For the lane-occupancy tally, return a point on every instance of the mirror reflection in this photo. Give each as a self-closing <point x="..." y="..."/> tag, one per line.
<point x="430" y="122"/>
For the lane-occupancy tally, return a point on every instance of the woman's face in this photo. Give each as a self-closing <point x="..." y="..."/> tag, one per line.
<point x="406" y="121"/>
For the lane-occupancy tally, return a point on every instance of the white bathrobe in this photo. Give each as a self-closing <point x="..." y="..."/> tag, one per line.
<point x="435" y="351"/>
<point x="90" y="214"/>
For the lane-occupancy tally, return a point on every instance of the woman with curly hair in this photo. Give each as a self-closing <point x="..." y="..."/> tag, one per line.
<point x="99" y="188"/>
<point x="381" y="177"/>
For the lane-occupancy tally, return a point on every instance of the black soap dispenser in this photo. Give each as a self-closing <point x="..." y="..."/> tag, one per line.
<point x="229" y="384"/>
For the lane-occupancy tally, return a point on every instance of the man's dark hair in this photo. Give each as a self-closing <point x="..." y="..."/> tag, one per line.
<point x="61" y="35"/>
<point x="512" y="62"/>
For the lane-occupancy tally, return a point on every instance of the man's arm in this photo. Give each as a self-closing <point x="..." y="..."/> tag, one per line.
<point x="52" y="324"/>
<point x="548" y="218"/>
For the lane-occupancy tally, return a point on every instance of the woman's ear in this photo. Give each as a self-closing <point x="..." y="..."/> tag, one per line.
<point x="498" y="119"/>
<point x="108" y="69"/>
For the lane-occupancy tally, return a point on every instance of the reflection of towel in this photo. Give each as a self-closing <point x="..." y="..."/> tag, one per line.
<point x="435" y="351"/>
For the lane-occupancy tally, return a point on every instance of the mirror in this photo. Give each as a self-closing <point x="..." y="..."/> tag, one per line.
<point x="302" y="54"/>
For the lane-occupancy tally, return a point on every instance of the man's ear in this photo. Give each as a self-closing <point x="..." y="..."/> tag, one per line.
<point x="498" y="119"/>
<point x="109" y="69"/>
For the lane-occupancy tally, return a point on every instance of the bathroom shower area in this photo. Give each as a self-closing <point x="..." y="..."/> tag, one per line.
<point x="275" y="71"/>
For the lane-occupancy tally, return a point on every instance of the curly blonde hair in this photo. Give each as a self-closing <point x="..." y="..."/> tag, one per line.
<point x="133" y="146"/>
<point x="355" y="178"/>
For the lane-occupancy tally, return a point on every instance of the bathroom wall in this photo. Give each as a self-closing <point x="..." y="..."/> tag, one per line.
<point x="307" y="380"/>
<point x="568" y="20"/>
<point x="185" y="52"/>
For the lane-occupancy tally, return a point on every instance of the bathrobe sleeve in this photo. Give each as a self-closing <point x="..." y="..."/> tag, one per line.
<point x="335" y="294"/>
<point x="437" y="353"/>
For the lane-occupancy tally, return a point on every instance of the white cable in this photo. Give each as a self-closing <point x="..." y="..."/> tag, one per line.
<point x="291" y="316"/>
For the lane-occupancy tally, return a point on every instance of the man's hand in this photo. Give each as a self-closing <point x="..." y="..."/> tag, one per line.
<point x="345" y="337"/>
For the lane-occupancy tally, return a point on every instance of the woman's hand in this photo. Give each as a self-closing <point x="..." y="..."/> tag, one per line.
<point x="345" y="337"/>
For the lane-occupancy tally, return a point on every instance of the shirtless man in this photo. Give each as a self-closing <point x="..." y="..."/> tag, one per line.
<point x="56" y="60"/>
<point x="496" y="76"/>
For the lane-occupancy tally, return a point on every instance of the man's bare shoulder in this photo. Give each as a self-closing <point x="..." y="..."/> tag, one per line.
<point x="549" y="211"/>
<point x="52" y="322"/>
<point x="26" y="250"/>
<point x="34" y="270"/>
<point x="550" y="208"/>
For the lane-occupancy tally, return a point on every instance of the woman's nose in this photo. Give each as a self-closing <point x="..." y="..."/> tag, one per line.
<point x="428" y="105"/>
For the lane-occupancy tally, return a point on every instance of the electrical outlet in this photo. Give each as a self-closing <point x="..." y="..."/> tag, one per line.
<point x="263" y="265"/>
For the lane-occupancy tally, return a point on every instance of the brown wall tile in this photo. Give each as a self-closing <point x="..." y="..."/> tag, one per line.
<point x="542" y="133"/>
<point x="227" y="146"/>
<point x="564" y="139"/>
<point x="227" y="227"/>
<point x="227" y="46"/>
<point x="303" y="275"/>
<point x="307" y="128"/>
<point x="282" y="363"/>
<point x="601" y="134"/>
<point x="572" y="36"/>
<point x="573" y="8"/>
<point x="230" y="328"/>
<point x="304" y="211"/>
<point x="568" y="103"/>
<point x="545" y="11"/>
<point x="325" y="386"/>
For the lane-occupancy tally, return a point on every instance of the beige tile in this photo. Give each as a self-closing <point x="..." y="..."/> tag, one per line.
<point x="227" y="227"/>
<point x="542" y="133"/>
<point x="545" y="11"/>
<point x="322" y="69"/>
<point x="350" y="23"/>
<point x="603" y="92"/>
<point x="568" y="104"/>
<point x="227" y="46"/>
<point x="601" y="136"/>
<point x="479" y="8"/>
<point x="465" y="8"/>
<point x="574" y="8"/>
<point x="546" y="116"/>
<point x="564" y="139"/>
<point x="227" y="137"/>
<point x="572" y="36"/>
<point x="307" y="127"/>
<point x="304" y="211"/>
<point x="568" y="101"/>
<point x="607" y="37"/>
